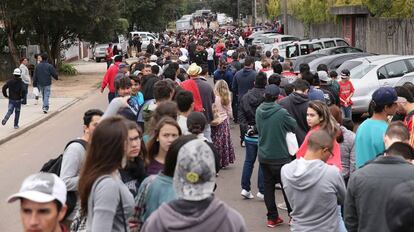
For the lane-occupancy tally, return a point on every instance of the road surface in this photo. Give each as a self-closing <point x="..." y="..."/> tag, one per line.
<point x="25" y="155"/>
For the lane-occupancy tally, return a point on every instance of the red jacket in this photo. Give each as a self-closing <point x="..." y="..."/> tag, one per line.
<point x="191" y="85"/>
<point x="109" y="78"/>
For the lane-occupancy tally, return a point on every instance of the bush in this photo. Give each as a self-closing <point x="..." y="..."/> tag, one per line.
<point x="68" y="69"/>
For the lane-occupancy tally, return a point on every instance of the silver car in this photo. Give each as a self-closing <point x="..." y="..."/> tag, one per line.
<point x="373" y="74"/>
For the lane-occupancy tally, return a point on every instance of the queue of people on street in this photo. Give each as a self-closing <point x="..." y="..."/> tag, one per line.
<point x="149" y="161"/>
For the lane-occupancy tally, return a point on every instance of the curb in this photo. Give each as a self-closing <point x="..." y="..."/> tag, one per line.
<point x="37" y="123"/>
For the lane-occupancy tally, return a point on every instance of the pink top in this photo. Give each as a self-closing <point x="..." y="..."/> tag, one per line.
<point x="223" y="111"/>
<point x="334" y="160"/>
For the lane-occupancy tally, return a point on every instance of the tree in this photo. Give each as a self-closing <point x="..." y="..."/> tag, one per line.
<point x="273" y="8"/>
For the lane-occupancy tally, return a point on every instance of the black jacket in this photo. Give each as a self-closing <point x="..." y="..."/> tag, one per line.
<point x="368" y="190"/>
<point x="15" y="87"/>
<point x="200" y="57"/>
<point x="150" y="49"/>
<point x="247" y="108"/>
<point x="330" y="94"/>
<point x="297" y="106"/>
<point x="43" y="73"/>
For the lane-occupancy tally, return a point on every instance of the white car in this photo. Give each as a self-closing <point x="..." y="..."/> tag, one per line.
<point x="145" y="38"/>
<point x="372" y="74"/>
<point x="281" y="46"/>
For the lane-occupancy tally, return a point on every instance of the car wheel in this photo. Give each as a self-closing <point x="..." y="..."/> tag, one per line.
<point x="97" y="59"/>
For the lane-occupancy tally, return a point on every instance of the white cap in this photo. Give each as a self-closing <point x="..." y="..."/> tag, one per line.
<point x="42" y="188"/>
<point x="323" y="76"/>
<point x="153" y="58"/>
<point x="17" y="72"/>
<point x="183" y="58"/>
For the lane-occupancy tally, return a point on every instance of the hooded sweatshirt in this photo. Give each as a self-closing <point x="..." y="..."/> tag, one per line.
<point x="193" y="216"/>
<point x="243" y="80"/>
<point x="247" y="108"/>
<point x="314" y="189"/>
<point x="297" y="106"/>
<point x="272" y="123"/>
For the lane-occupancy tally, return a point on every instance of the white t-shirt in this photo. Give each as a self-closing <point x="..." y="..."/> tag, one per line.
<point x="210" y="53"/>
<point x="184" y="51"/>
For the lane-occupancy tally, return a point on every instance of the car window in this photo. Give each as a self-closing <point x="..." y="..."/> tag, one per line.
<point x="289" y="39"/>
<point x="396" y="69"/>
<point x="341" y="43"/>
<point x="292" y="51"/>
<point x="329" y="44"/>
<point x="411" y="61"/>
<point x="317" y="46"/>
<point x="334" y="65"/>
<point x="349" y="65"/>
<point x="360" y="71"/>
<point x="382" y="73"/>
<point x="352" y="50"/>
<point x="304" y="49"/>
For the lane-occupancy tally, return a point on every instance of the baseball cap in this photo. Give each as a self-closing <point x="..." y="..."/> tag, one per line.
<point x="42" y="188"/>
<point x="345" y="73"/>
<point x="153" y="58"/>
<point x="17" y="72"/>
<point x="272" y="90"/>
<point x="385" y="96"/>
<point x="400" y="207"/>
<point x="323" y="76"/>
<point x="195" y="173"/>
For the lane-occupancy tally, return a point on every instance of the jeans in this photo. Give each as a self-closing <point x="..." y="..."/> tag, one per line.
<point x="346" y="112"/>
<point x="25" y="89"/>
<point x="250" y="159"/>
<point x="108" y="63"/>
<point x="207" y="132"/>
<point x="45" y="91"/>
<point x="14" y="105"/>
<point x="210" y="64"/>
<point x="111" y="96"/>
<point x="234" y="106"/>
<point x="271" y="174"/>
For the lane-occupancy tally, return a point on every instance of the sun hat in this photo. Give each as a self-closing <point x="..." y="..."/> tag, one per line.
<point x="194" y="70"/>
<point x="42" y="188"/>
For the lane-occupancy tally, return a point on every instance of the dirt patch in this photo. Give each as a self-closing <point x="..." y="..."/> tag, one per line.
<point x="76" y="86"/>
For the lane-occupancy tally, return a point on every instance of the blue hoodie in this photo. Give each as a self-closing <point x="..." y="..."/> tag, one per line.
<point x="243" y="80"/>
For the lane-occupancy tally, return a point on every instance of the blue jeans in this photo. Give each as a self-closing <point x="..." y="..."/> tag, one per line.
<point x="210" y="64"/>
<point x="45" y="91"/>
<point x="251" y="154"/>
<point x="346" y="112"/>
<point x="14" y="105"/>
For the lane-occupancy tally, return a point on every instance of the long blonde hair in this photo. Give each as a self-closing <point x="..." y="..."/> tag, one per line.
<point x="221" y="89"/>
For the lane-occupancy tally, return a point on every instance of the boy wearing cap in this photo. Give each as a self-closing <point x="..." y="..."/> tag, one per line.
<point x="346" y="91"/>
<point x="15" y="96"/>
<point x="196" y="207"/>
<point x="369" y="140"/>
<point x="273" y="123"/>
<point x="42" y="203"/>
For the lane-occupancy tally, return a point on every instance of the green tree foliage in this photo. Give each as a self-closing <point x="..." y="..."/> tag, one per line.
<point x="273" y="8"/>
<point x="310" y="11"/>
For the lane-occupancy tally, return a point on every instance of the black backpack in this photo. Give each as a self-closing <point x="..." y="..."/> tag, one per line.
<point x="54" y="166"/>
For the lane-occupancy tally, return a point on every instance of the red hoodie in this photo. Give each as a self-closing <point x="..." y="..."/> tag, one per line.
<point x="109" y="78"/>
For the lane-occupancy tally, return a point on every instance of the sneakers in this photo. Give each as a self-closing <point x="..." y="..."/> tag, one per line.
<point x="45" y="111"/>
<point x="247" y="194"/>
<point x="278" y="186"/>
<point x="16" y="127"/>
<point x="242" y="144"/>
<point x="275" y="222"/>
<point x="260" y="196"/>
<point x="3" y="122"/>
<point x="282" y="206"/>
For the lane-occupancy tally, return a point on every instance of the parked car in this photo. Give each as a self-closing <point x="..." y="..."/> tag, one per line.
<point x="281" y="46"/>
<point x="99" y="50"/>
<point x="338" y="50"/>
<point x="351" y="64"/>
<point x="334" y="61"/>
<point x="305" y="47"/>
<point x="368" y="77"/>
<point x="304" y="59"/>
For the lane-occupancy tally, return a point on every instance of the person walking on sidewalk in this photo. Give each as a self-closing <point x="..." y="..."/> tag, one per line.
<point x="16" y="93"/>
<point x="109" y="78"/>
<point x="273" y="123"/>
<point x="25" y="78"/>
<point x="42" y="79"/>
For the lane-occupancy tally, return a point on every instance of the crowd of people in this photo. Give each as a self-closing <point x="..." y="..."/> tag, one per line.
<point x="150" y="161"/>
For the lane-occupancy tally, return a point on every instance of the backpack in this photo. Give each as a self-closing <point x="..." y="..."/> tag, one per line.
<point x="54" y="166"/>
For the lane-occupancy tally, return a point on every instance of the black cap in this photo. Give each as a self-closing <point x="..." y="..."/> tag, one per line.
<point x="345" y="73"/>
<point x="272" y="90"/>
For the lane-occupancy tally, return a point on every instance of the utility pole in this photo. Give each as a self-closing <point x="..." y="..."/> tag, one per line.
<point x="254" y="12"/>
<point x="238" y="12"/>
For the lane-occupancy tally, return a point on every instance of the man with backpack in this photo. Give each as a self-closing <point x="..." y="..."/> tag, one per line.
<point x="74" y="155"/>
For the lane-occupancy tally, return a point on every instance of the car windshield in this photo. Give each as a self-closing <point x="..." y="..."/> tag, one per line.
<point x="349" y="65"/>
<point x="360" y="71"/>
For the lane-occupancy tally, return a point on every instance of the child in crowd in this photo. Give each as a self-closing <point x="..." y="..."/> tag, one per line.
<point x="346" y="91"/>
<point x="220" y="130"/>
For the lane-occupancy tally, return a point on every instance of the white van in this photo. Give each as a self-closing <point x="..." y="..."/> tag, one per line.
<point x="305" y="47"/>
<point x="145" y="37"/>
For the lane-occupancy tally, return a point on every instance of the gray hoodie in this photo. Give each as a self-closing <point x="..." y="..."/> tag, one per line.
<point x="314" y="190"/>
<point x="216" y="216"/>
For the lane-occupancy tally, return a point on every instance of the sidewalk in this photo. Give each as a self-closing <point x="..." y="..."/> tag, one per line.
<point x="30" y="115"/>
<point x="65" y="92"/>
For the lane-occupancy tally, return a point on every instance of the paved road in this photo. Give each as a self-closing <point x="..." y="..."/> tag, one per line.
<point x="25" y="155"/>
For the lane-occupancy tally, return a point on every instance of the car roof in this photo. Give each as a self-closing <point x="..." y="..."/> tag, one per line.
<point x="329" y="59"/>
<point x="391" y="59"/>
<point x="311" y="41"/>
<point x="333" y="48"/>
<point x="372" y="58"/>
